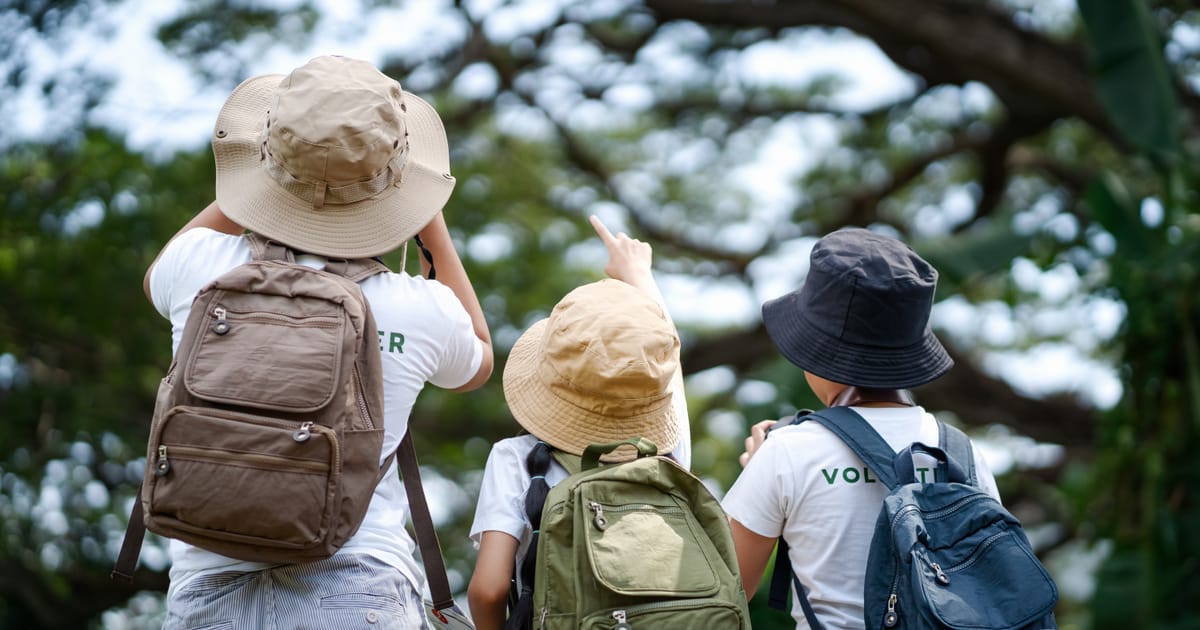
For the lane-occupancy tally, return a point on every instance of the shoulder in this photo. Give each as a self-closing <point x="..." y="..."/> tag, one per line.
<point x="190" y="260"/>
<point x="399" y="289"/>
<point x="512" y="449"/>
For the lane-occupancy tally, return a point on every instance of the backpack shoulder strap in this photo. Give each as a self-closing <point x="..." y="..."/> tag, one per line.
<point x="572" y="463"/>
<point x="865" y="441"/>
<point x="355" y="269"/>
<point x="957" y="446"/>
<point x="857" y="433"/>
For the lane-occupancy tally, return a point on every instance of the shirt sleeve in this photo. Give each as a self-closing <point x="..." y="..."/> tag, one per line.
<point x="166" y="269"/>
<point x="501" y="505"/>
<point x="683" y="449"/>
<point x="756" y="499"/>
<point x="462" y="351"/>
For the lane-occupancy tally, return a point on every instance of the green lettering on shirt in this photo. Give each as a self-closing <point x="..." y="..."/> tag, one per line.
<point x="829" y="476"/>
<point x="395" y="341"/>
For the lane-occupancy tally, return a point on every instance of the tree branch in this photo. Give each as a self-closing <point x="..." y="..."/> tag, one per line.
<point x="943" y="41"/>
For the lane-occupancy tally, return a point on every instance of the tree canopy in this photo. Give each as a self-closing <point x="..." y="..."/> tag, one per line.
<point x="1038" y="153"/>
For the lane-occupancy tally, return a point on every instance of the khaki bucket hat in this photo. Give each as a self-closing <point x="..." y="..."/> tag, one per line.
<point x="598" y="370"/>
<point x="333" y="159"/>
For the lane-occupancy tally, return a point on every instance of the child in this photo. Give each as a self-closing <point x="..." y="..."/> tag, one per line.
<point x="859" y="328"/>
<point x="333" y="160"/>
<point x="603" y="367"/>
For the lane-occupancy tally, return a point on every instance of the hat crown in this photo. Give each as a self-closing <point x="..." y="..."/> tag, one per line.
<point x="610" y="349"/>
<point x="869" y="289"/>
<point x="336" y="121"/>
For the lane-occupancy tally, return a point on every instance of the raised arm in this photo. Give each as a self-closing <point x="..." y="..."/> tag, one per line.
<point x="450" y="272"/>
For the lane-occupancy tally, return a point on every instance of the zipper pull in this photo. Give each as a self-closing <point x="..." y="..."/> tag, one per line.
<point x="542" y="618"/>
<point x="891" y="618"/>
<point x="163" y="465"/>
<point x="941" y="577"/>
<point x="600" y="521"/>
<point x="303" y="433"/>
<point x="619" y="616"/>
<point x="220" y="326"/>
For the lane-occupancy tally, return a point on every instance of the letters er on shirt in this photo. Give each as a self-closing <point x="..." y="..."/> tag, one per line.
<point x="391" y="342"/>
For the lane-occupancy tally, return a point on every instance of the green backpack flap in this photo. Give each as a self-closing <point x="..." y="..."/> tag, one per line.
<point x="634" y="545"/>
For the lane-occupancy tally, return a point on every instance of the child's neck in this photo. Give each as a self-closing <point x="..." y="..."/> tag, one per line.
<point x="853" y="396"/>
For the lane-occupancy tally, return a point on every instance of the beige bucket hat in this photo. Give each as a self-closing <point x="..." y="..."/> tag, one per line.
<point x="333" y="159"/>
<point x="597" y="370"/>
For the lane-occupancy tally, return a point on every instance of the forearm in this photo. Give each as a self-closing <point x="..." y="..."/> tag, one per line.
<point x="450" y="272"/>
<point x="488" y="614"/>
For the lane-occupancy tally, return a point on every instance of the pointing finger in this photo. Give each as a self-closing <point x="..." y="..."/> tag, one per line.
<point x="605" y="235"/>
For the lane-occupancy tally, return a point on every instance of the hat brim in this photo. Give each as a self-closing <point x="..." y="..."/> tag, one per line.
<point x="568" y="427"/>
<point x="249" y="196"/>
<point x="847" y="363"/>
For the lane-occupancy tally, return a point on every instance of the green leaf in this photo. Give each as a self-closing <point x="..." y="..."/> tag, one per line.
<point x="1117" y="213"/>
<point x="1131" y="74"/>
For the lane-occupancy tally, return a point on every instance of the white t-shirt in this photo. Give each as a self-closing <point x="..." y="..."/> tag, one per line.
<point x="501" y="505"/>
<point x="425" y="335"/>
<point x="807" y="485"/>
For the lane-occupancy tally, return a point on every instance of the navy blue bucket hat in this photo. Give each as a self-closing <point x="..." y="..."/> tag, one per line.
<point x="862" y="316"/>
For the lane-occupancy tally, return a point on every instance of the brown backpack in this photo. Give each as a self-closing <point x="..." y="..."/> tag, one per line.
<point x="268" y="426"/>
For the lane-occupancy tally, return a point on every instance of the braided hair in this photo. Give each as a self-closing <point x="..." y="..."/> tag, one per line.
<point x="537" y="463"/>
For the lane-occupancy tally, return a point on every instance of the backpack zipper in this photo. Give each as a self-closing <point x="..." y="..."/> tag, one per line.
<point x="362" y="400"/>
<point x="971" y="559"/>
<point x="621" y="616"/>
<point x="268" y="462"/>
<point x="602" y="522"/>
<point x="319" y="321"/>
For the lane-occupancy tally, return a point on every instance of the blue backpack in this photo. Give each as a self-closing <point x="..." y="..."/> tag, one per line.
<point x="945" y="554"/>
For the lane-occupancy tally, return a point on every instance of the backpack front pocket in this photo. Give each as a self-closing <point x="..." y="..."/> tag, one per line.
<point x="255" y="356"/>
<point x="237" y="477"/>
<point x="643" y="548"/>
<point x="1000" y="584"/>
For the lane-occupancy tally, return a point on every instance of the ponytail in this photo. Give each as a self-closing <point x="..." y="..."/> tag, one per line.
<point x="537" y="463"/>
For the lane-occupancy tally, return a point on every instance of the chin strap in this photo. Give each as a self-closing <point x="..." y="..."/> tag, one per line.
<point x="852" y="396"/>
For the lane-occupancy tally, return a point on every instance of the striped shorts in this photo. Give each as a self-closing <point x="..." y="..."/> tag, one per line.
<point x="342" y="592"/>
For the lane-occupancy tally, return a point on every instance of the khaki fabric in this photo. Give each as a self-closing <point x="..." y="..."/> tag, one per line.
<point x="268" y="428"/>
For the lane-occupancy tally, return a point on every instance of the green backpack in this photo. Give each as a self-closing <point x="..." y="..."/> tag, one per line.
<point x="634" y="545"/>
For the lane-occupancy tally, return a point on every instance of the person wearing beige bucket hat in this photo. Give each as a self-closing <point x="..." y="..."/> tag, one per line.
<point x="858" y="328"/>
<point x="335" y="161"/>
<point x="602" y="367"/>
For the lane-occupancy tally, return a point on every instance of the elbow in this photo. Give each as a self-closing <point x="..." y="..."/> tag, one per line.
<point x="486" y="364"/>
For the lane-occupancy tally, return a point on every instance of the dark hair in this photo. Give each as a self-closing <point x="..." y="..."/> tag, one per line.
<point x="537" y="463"/>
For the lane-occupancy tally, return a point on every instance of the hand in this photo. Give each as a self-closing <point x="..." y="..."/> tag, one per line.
<point x="758" y="434"/>
<point x="628" y="258"/>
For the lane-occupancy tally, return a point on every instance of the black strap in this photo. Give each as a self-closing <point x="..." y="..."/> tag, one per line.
<point x="427" y="539"/>
<point x="131" y="547"/>
<point x="428" y="257"/>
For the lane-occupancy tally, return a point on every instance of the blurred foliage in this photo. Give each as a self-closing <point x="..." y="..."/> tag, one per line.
<point x="1147" y="470"/>
<point x="660" y="126"/>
